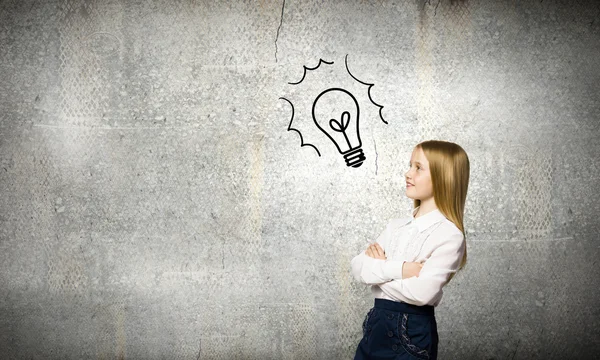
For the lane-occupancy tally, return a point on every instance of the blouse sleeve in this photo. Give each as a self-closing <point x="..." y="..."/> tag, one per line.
<point x="363" y="265"/>
<point x="434" y="274"/>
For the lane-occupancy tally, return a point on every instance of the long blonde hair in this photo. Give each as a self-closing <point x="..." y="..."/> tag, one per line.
<point x="449" y="168"/>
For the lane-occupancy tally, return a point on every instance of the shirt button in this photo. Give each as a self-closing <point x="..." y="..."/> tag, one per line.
<point x="390" y="333"/>
<point x="395" y="347"/>
<point x="390" y="316"/>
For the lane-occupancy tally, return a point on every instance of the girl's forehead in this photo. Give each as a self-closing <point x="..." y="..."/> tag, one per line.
<point x="418" y="155"/>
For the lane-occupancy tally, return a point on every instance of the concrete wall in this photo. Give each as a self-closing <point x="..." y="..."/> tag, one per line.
<point x="154" y="204"/>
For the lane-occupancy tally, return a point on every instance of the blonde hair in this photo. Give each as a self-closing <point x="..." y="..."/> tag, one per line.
<point x="449" y="168"/>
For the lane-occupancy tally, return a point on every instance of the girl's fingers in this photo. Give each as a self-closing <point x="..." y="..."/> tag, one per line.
<point x="375" y="251"/>
<point x="372" y="251"/>
<point x="379" y="249"/>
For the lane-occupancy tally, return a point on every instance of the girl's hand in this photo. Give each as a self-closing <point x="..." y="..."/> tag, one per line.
<point x="410" y="269"/>
<point x="375" y="251"/>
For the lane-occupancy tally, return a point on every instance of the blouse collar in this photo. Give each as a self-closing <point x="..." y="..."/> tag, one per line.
<point x="425" y="221"/>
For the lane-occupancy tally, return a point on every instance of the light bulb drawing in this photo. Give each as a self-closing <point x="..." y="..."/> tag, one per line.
<point x="336" y="113"/>
<point x="338" y="100"/>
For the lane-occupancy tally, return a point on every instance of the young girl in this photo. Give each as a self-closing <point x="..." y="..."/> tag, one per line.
<point x="415" y="256"/>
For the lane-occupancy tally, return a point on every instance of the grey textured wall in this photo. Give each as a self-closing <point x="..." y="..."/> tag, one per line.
<point x="154" y="204"/>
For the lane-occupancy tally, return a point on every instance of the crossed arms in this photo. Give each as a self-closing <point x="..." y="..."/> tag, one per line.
<point x="419" y="290"/>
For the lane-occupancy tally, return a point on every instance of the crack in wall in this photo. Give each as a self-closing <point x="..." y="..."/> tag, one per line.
<point x="376" y="156"/>
<point x="279" y="28"/>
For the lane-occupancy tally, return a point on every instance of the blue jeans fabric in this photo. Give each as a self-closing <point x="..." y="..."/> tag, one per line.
<point x="398" y="330"/>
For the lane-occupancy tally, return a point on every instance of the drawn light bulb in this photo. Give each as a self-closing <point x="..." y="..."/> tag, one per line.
<point x="335" y="112"/>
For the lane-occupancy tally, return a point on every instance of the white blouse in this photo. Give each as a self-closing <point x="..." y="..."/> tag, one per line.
<point x="431" y="238"/>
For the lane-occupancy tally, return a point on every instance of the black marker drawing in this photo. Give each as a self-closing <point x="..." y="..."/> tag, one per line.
<point x="368" y="91"/>
<point x="296" y="130"/>
<point x="314" y="68"/>
<point x="335" y="108"/>
<point x="327" y="106"/>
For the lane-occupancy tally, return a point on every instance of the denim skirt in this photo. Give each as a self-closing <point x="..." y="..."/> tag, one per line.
<point x="398" y="330"/>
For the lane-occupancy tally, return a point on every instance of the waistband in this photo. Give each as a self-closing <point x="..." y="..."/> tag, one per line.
<point x="400" y="306"/>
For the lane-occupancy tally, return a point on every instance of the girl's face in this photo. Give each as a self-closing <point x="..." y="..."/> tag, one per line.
<point x="418" y="177"/>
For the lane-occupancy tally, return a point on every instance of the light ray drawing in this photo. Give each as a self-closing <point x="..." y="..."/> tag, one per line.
<point x="333" y="99"/>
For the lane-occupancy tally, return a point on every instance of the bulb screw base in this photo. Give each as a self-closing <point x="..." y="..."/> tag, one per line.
<point x="354" y="157"/>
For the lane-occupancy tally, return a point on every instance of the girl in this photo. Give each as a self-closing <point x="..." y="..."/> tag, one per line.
<point x="415" y="256"/>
